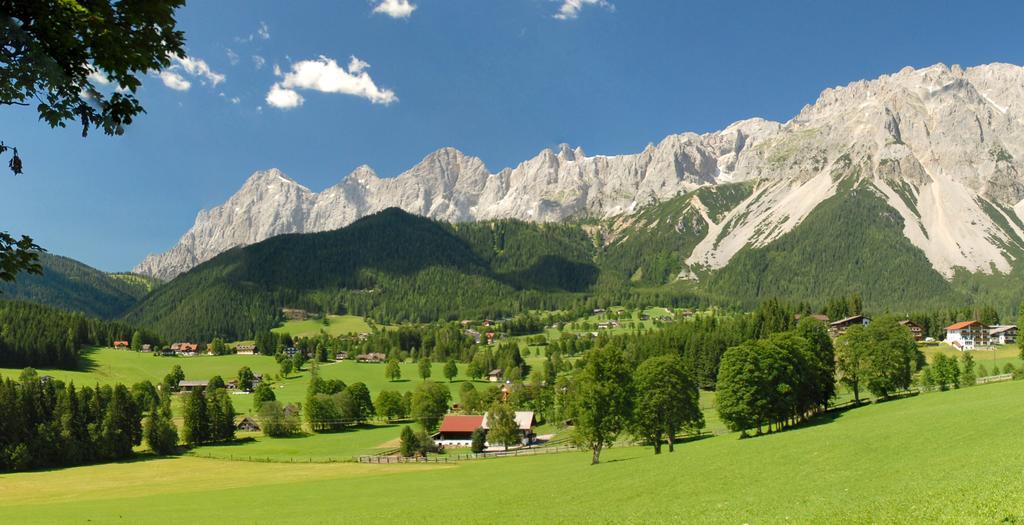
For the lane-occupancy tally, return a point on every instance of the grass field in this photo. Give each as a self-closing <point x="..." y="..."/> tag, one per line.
<point x="339" y="446"/>
<point x="997" y="356"/>
<point x="337" y="325"/>
<point x="897" y="462"/>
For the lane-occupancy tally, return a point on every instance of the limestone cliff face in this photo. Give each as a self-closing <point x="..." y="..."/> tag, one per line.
<point x="942" y="145"/>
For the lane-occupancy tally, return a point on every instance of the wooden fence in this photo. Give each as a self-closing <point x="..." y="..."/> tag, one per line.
<point x="994" y="379"/>
<point x="449" y="458"/>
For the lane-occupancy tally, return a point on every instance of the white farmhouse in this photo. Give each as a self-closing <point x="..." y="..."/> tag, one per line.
<point x="967" y="335"/>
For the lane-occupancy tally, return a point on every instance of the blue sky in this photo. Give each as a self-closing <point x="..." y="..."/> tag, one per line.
<point x="498" y="79"/>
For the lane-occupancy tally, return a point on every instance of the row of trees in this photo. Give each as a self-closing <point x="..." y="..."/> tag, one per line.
<point x="655" y="401"/>
<point x="779" y="380"/>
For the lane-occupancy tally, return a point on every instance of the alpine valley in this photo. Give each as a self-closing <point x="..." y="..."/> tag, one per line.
<point x="907" y="190"/>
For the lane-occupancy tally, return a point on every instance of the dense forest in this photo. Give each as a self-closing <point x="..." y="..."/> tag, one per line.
<point x="391" y="266"/>
<point x="42" y="336"/>
<point x="395" y="267"/>
<point x="45" y="423"/>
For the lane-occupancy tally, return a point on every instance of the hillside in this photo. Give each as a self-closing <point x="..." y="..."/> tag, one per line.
<point x="391" y="265"/>
<point x="806" y="475"/>
<point x="71" y="285"/>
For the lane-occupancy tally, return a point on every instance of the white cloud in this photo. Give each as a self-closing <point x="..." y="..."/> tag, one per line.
<point x="232" y="57"/>
<point x="571" y="8"/>
<point x="263" y="31"/>
<point x="325" y="75"/>
<point x="197" y="67"/>
<point x="277" y="70"/>
<point x="258" y="61"/>
<point x="174" y="80"/>
<point x="283" y="98"/>
<point x="356" y="66"/>
<point x="235" y="100"/>
<point x="395" y="8"/>
<point x="99" y="78"/>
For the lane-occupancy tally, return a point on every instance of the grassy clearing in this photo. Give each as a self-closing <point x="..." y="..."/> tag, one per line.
<point x="897" y="462"/>
<point x="336" y="325"/>
<point x="998" y="356"/>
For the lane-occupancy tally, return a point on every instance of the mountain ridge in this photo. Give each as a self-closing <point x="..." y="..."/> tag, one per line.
<point x="927" y="136"/>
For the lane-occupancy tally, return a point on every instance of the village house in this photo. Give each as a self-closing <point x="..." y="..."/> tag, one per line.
<point x="457" y="431"/>
<point x="147" y="348"/>
<point x="247" y="424"/>
<point x="916" y="330"/>
<point x="372" y="357"/>
<point x="494" y="376"/>
<point x="340" y="356"/>
<point x="185" y="349"/>
<point x="124" y="345"/>
<point x="839" y="327"/>
<point x="967" y="335"/>
<point x="526" y="422"/>
<point x="1002" y="334"/>
<point x="186" y="385"/>
<point x="245" y="349"/>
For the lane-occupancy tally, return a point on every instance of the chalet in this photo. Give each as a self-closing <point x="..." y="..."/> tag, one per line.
<point x="147" y="348"/>
<point x="475" y="335"/>
<point x="967" y="335"/>
<point x="290" y="351"/>
<point x="188" y="385"/>
<point x="916" y="330"/>
<point x="340" y="356"/>
<point x="372" y="357"/>
<point x="294" y="314"/>
<point x="457" y="431"/>
<point x="1002" y="334"/>
<point x="838" y="328"/>
<point x="599" y="310"/>
<point x="490" y="337"/>
<point x="494" y="376"/>
<point x="604" y="325"/>
<point x="247" y="424"/>
<point x="245" y="349"/>
<point x="185" y="348"/>
<point x="231" y="385"/>
<point x="526" y="422"/>
<point x="124" y="345"/>
<point x="256" y="379"/>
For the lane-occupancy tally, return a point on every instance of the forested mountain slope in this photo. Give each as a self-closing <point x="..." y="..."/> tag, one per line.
<point x="71" y="285"/>
<point x="392" y="265"/>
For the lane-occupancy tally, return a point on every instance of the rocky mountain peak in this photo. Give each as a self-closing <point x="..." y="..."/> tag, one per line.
<point x="943" y="145"/>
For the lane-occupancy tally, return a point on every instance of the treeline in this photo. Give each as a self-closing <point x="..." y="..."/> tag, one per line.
<point x="45" y="423"/>
<point x="33" y="335"/>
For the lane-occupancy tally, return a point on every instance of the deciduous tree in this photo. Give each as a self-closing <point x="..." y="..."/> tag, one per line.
<point x="602" y="400"/>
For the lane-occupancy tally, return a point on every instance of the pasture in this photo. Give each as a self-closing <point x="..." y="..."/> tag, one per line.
<point x="336" y="325"/>
<point x="902" y="461"/>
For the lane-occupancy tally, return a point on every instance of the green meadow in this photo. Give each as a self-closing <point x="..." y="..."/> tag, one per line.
<point x="336" y="325"/>
<point x="914" y="460"/>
